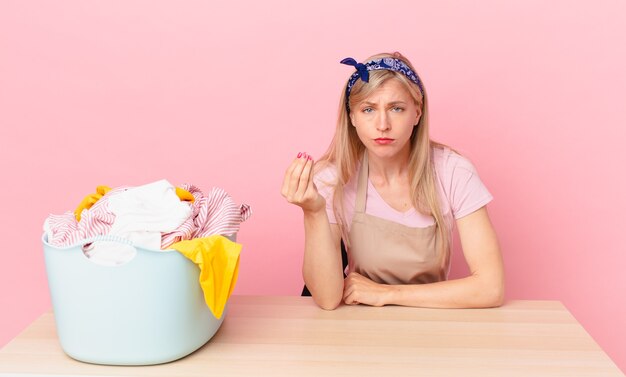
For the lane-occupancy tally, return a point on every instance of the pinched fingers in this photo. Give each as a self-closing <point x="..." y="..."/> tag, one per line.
<point x="294" y="170"/>
<point x="297" y="178"/>
<point x="306" y="178"/>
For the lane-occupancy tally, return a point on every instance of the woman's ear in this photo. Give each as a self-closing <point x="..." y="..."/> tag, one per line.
<point x="352" y="118"/>
<point x="418" y="116"/>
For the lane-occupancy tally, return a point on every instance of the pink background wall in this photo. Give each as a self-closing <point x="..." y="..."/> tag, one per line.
<point x="227" y="93"/>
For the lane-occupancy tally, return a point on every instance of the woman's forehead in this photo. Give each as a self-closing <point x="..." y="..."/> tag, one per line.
<point x="390" y="91"/>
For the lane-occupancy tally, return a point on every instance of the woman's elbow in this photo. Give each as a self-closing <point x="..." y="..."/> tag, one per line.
<point x="327" y="296"/>
<point x="497" y="300"/>
<point x="493" y="296"/>
<point x="328" y="300"/>
<point x="330" y="303"/>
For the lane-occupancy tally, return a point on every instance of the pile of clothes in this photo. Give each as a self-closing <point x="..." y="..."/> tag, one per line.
<point x="159" y="217"/>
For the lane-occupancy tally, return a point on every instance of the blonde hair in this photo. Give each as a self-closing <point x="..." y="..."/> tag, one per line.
<point x="346" y="149"/>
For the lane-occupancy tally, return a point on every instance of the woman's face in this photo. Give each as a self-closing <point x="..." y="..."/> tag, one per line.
<point x="385" y="119"/>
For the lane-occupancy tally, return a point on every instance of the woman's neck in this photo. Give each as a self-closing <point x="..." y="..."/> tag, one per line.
<point x="388" y="170"/>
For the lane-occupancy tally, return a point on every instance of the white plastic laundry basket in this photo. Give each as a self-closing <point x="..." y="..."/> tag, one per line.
<point x="150" y="310"/>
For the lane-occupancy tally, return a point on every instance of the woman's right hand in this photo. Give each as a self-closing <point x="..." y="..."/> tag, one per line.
<point x="298" y="187"/>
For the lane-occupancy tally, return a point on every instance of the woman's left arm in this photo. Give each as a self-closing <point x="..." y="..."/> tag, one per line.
<point x="484" y="287"/>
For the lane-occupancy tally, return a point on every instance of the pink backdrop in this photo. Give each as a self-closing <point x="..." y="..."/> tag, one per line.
<point x="227" y="93"/>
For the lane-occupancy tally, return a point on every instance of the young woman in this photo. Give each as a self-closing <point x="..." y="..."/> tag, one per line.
<point x="393" y="196"/>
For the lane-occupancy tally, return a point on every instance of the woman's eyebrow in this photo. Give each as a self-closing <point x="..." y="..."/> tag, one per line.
<point x="397" y="103"/>
<point x="368" y="103"/>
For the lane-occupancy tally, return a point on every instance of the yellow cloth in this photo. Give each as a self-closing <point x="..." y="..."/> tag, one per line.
<point x="218" y="259"/>
<point x="90" y="200"/>
<point x="184" y="195"/>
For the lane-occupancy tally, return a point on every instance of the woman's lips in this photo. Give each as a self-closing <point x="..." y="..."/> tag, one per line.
<point x="383" y="140"/>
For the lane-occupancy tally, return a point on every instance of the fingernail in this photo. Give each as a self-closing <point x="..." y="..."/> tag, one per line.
<point x="309" y="158"/>
<point x="299" y="154"/>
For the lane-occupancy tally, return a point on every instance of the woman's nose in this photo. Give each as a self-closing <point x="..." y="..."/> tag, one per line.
<point x="383" y="123"/>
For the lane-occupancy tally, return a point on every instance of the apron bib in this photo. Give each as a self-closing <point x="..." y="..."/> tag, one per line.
<point x="390" y="253"/>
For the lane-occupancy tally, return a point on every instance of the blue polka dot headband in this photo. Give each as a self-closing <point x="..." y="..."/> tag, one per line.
<point x="390" y="64"/>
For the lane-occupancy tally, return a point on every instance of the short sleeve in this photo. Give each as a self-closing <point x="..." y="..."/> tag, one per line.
<point x="462" y="186"/>
<point x="325" y="181"/>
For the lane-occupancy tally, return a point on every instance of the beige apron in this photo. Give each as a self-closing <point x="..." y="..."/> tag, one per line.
<point x="391" y="253"/>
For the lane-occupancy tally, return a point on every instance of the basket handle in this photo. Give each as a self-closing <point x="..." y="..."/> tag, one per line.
<point x="105" y="237"/>
<point x="86" y="246"/>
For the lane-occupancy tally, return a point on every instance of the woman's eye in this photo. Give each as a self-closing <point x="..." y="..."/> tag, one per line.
<point x="397" y="109"/>
<point x="368" y="110"/>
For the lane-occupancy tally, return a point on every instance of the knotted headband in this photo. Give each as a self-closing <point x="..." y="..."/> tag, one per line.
<point x="390" y="64"/>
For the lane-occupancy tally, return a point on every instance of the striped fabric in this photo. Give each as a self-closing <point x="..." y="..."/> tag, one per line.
<point x="214" y="213"/>
<point x="63" y="230"/>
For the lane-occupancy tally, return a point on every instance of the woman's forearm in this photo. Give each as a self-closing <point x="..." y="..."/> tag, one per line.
<point x="484" y="287"/>
<point x="470" y="292"/>
<point x="321" y="268"/>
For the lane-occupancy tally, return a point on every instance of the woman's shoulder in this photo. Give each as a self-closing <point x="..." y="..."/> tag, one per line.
<point x="459" y="182"/>
<point x="325" y="173"/>
<point x="446" y="161"/>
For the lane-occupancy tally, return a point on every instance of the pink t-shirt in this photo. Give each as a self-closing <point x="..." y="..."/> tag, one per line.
<point x="461" y="192"/>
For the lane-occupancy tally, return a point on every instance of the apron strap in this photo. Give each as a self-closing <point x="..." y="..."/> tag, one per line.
<point x="361" y="187"/>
